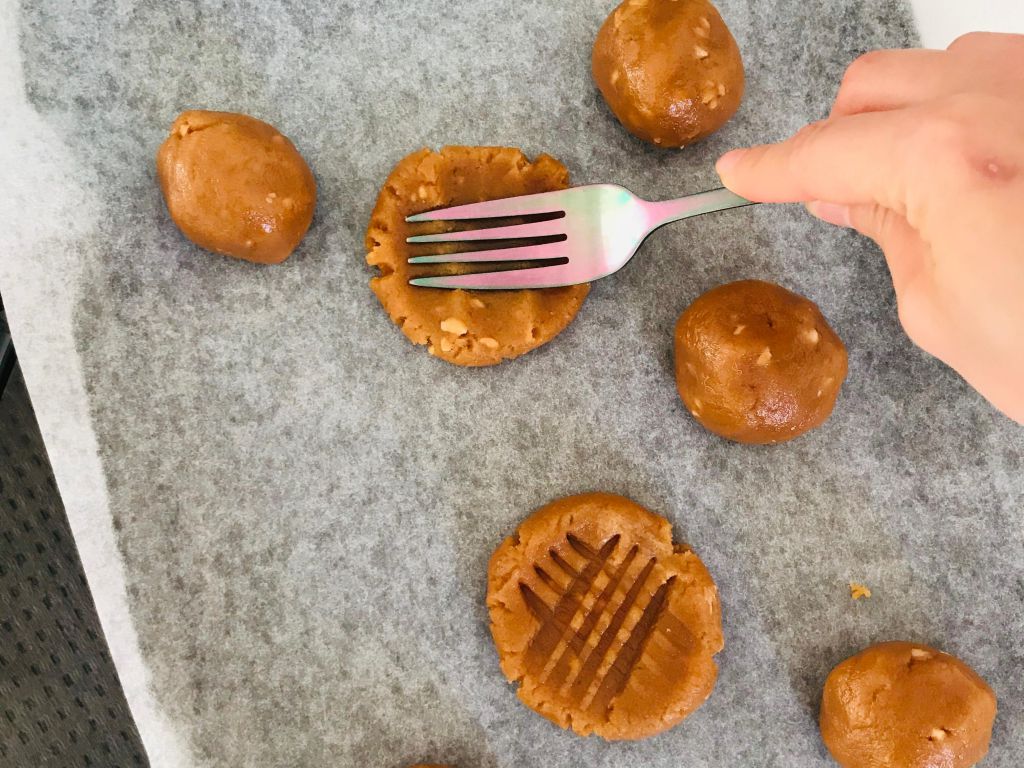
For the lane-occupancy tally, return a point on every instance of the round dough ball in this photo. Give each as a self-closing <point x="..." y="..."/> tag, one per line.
<point x="607" y="625"/>
<point x="669" y="69"/>
<point x="756" y="363"/>
<point x="235" y="185"/>
<point x="471" y="328"/>
<point x="906" y="705"/>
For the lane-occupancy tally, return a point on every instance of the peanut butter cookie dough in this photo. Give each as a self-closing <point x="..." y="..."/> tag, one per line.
<point x="756" y="363"/>
<point x="471" y="328"/>
<point x="606" y="625"/>
<point x="670" y="70"/>
<point x="906" y="705"/>
<point x="235" y="185"/>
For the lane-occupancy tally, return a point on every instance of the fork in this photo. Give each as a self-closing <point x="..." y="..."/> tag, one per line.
<point x="590" y="232"/>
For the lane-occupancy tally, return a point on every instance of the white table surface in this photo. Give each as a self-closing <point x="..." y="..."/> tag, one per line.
<point x="942" y="21"/>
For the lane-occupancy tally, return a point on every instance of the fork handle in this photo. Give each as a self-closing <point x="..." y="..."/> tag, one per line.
<point x="667" y="211"/>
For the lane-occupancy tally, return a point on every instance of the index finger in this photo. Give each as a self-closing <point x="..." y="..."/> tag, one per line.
<point x="851" y="159"/>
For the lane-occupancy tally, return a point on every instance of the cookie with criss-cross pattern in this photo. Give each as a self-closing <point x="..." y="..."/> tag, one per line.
<point x="471" y="328"/>
<point x="607" y="626"/>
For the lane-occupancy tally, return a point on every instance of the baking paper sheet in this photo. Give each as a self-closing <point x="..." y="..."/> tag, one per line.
<point x="285" y="510"/>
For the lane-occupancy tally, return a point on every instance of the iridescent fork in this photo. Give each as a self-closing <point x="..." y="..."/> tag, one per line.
<point x="589" y="233"/>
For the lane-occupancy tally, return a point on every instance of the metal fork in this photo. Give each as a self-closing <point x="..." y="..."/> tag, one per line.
<point x="591" y="233"/>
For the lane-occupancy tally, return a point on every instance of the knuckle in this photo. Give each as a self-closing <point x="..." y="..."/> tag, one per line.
<point x="970" y="41"/>
<point x="981" y="49"/>
<point x="883" y="221"/>
<point x="861" y="79"/>
<point x="859" y="72"/>
<point x="807" y="136"/>
<point x="864" y="65"/>
<point x="801" y="148"/>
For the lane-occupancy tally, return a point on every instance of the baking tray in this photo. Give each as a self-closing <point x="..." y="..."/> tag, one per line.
<point x="299" y="504"/>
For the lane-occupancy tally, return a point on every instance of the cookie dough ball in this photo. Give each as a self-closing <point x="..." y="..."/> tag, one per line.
<point x="607" y="626"/>
<point x="235" y="185"/>
<point x="756" y="363"/>
<point x="471" y="328"/>
<point x="906" y="705"/>
<point x="669" y="69"/>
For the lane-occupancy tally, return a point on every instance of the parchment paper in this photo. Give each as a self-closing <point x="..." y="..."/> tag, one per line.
<point x="286" y="510"/>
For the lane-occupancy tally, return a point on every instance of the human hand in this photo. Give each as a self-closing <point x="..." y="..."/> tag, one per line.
<point x="924" y="153"/>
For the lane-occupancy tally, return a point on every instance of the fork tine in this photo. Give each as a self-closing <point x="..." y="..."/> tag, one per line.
<point x="537" y="229"/>
<point x="512" y="279"/>
<point x="544" y="202"/>
<point x="525" y="253"/>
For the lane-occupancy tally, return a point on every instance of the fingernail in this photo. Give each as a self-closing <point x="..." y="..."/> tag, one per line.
<point x="728" y="161"/>
<point x="832" y="213"/>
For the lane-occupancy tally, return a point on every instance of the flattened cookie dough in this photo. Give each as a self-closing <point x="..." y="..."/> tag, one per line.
<point x="606" y="625"/>
<point x="235" y="185"/>
<point x="471" y="328"/>
<point x="906" y="705"/>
